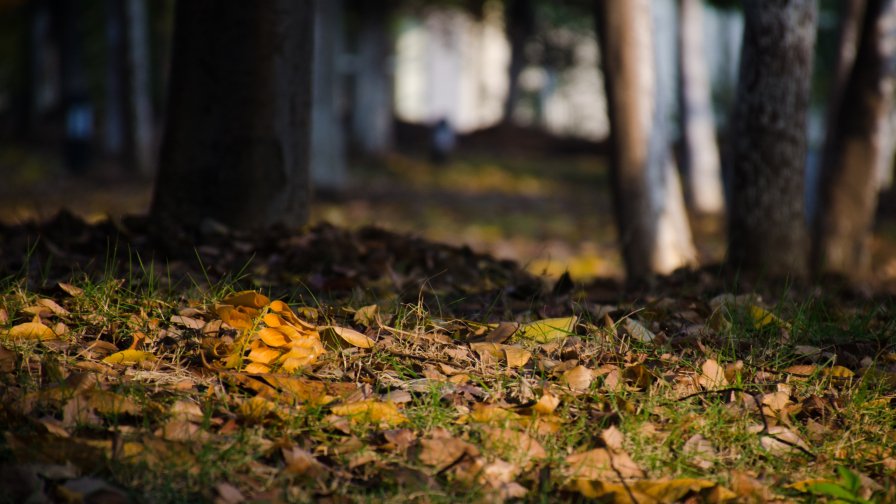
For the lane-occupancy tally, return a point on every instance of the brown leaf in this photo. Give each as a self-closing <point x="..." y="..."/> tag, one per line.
<point x="503" y="332"/>
<point x="601" y="464"/>
<point x="712" y="375"/>
<point x="512" y="445"/>
<point x="578" y="378"/>
<point x="70" y="289"/>
<point x="302" y="463"/>
<point x="701" y="452"/>
<point x="516" y="356"/>
<point x="444" y="452"/>
<point x="251" y="299"/>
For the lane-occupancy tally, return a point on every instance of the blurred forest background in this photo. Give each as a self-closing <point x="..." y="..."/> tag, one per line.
<point x="480" y="122"/>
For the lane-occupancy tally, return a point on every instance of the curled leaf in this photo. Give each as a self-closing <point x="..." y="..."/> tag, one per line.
<point x="350" y="336"/>
<point x="128" y="357"/>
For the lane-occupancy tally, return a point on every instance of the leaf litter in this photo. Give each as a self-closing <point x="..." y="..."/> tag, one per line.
<point x="424" y="370"/>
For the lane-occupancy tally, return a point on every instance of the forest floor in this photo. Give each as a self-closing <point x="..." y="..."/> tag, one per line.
<point x="349" y="363"/>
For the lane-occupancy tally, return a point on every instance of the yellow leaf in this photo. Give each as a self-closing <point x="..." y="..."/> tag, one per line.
<point x="371" y="411"/>
<point x="34" y="330"/>
<point x="263" y="354"/>
<point x="838" y="372"/>
<point x="547" y="330"/>
<point x="351" y="336"/>
<point x="272" y="337"/>
<point x="273" y="320"/>
<point x="251" y="299"/>
<point x="257" y="368"/>
<point x="233" y="317"/>
<point x="288" y="315"/>
<point x="516" y="356"/>
<point x="546" y="404"/>
<point x="762" y="317"/>
<point x="367" y="315"/>
<point x="804" y="485"/>
<point x="128" y="357"/>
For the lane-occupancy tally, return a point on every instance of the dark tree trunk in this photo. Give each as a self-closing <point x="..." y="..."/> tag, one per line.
<point x="858" y="146"/>
<point x="653" y="229"/>
<point x="237" y="134"/>
<point x="76" y="102"/>
<point x="767" y="230"/>
<point x="328" y="163"/>
<point x="519" y="19"/>
<point x="372" y="112"/>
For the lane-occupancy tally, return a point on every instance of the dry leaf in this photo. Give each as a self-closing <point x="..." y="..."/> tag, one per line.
<point x="371" y="411"/>
<point x="547" y="330"/>
<point x="578" y="378"/>
<point x="637" y="331"/>
<point x="601" y="464"/>
<point x="782" y="441"/>
<point x="34" y="330"/>
<point x="351" y="336"/>
<point x="444" y="452"/>
<point x="70" y="289"/>
<point x="251" y="299"/>
<point x="546" y="404"/>
<point x="712" y="375"/>
<point x="129" y="357"/>
<point x="513" y="445"/>
<point x="516" y="356"/>
<point x="700" y="451"/>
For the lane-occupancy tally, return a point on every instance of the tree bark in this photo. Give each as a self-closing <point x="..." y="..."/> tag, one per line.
<point x="519" y="20"/>
<point x="700" y="156"/>
<point x="859" y="145"/>
<point x="140" y="117"/>
<point x="767" y="230"/>
<point x="372" y="119"/>
<point x="653" y="229"/>
<point x="236" y="142"/>
<point x="328" y="165"/>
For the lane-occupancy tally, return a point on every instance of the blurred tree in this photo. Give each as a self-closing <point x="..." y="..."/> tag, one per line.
<point x="519" y="23"/>
<point x="700" y="151"/>
<point x="328" y="163"/>
<point x="128" y="108"/>
<point x="237" y="134"/>
<point x="859" y="144"/>
<point x="767" y="157"/>
<point x="372" y="119"/>
<point x="76" y="103"/>
<point x="651" y="219"/>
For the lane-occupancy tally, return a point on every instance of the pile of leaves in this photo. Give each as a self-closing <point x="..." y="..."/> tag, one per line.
<point x="111" y="393"/>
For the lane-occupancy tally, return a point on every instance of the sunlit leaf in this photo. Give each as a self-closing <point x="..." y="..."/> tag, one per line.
<point x="547" y="330"/>
<point x="34" y="330"/>
<point x="263" y="354"/>
<point x="578" y="378"/>
<point x="546" y="404"/>
<point x="233" y="317"/>
<point x="251" y="299"/>
<point x="272" y="337"/>
<point x="838" y="372"/>
<point x="70" y="289"/>
<point x="371" y="411"/>
<point x="516" y="356"/>
<point x="129" y="357"/>
<point x="350" y="336"/>
<point x="712" y="375"/>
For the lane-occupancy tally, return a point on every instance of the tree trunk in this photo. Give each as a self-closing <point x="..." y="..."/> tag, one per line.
<point x="114" y="124"/>
<point x="859" y="144"/>
<point x="767" y="230"/>
<point x="700" y="151"/>
<point x="372" y="112"/>
<point x="236" y="141"/>
<point x="653" y="227"/>
<point x="519" y="20"/>
<point x="328" y="167"/>
<point x="139" y="109"/>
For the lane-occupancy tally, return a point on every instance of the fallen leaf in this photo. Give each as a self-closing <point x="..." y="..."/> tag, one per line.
<point x="70" y="289"/>
<point x="601" y="464"/>
<point x="228" y="494"/>
<point x="302" y="463"/>
<point x="129" y="357"/>
<point x="351" y="336"/>
<point x="444" y="452"/>
<point x="700" y="451"/>
<point x="546" y="404"/>
<point x="712" y="375"/>
<point x="512" y="445"/>
<point x="34" y="330"/>
<point x="547" y="330"/>
<point x="781" y="441"/>
<point x="503" y="332"/>
<point x="839" y="372"/>
<point x="578" y="378"/>
<point x="516" y="356"/>
<point x="251" y="299"/>
<point x="637" y="331"/>
<point x="371" y="411"/>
